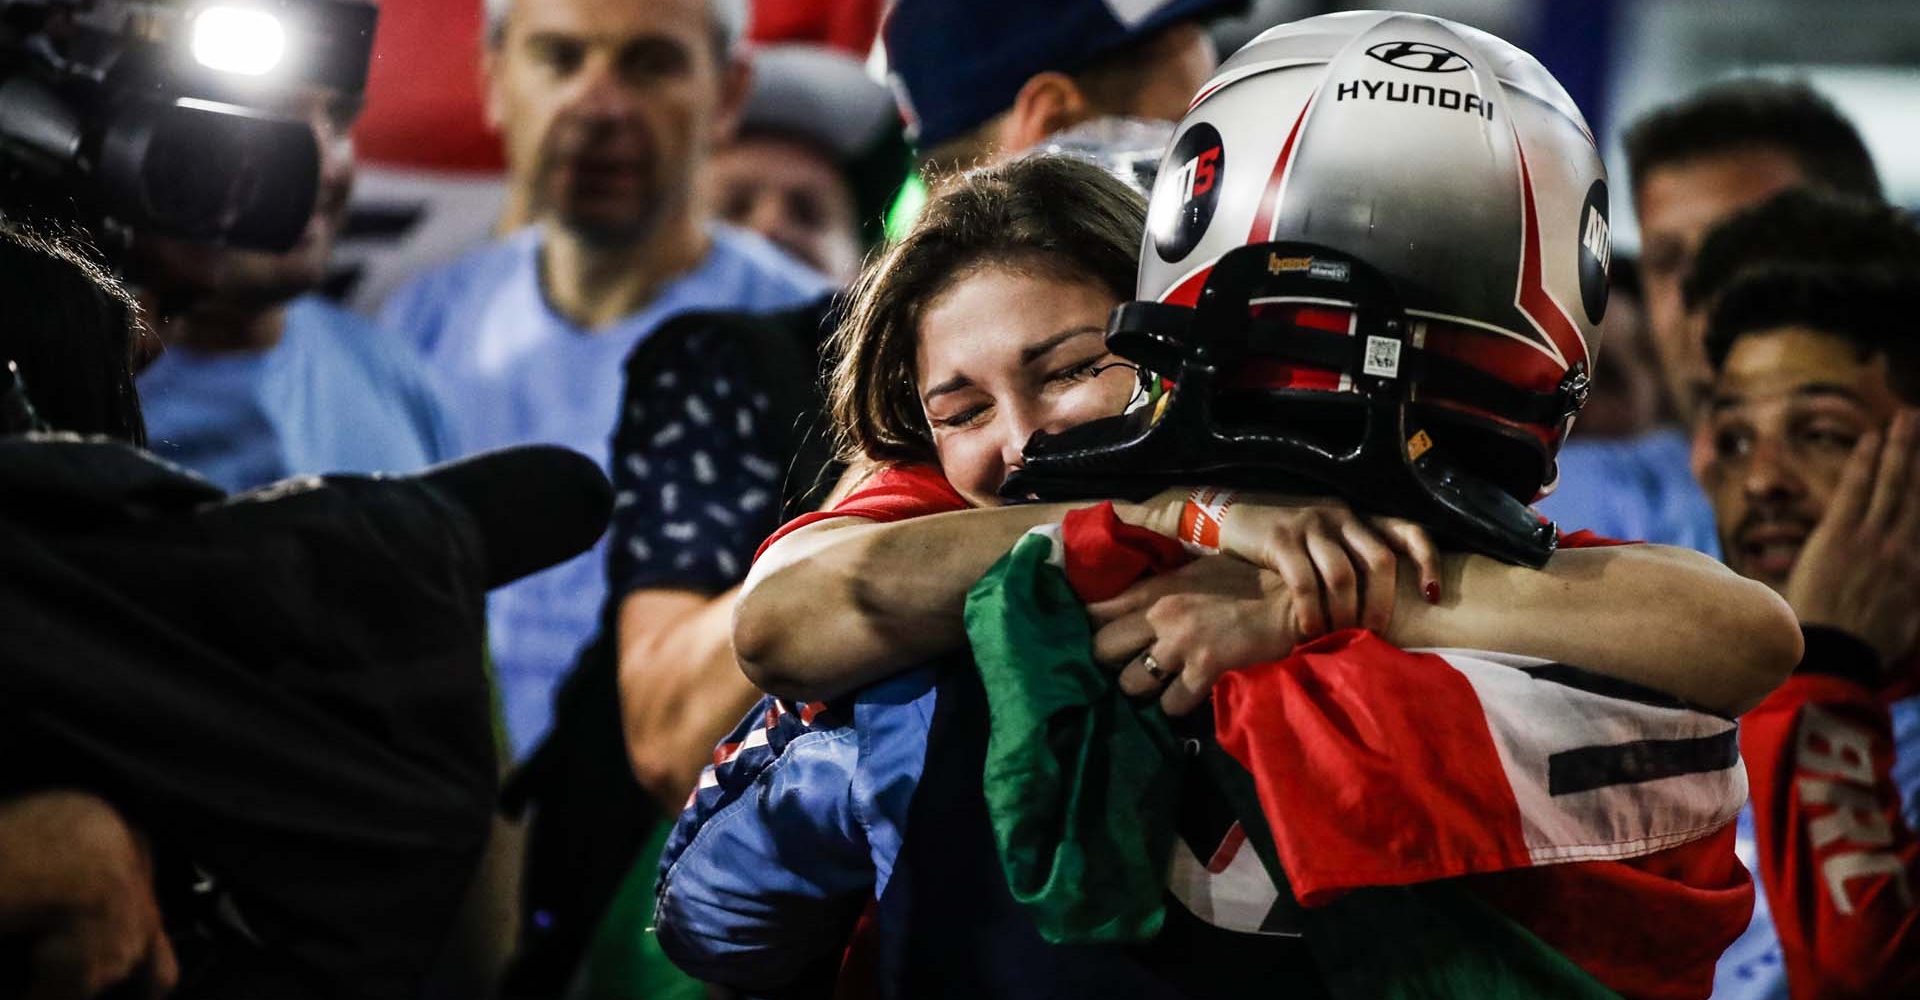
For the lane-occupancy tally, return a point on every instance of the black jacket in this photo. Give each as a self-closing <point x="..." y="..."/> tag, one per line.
<point x="284" y="690"/>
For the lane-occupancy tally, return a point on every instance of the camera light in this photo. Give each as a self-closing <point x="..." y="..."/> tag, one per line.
<point x="238" y="40"/>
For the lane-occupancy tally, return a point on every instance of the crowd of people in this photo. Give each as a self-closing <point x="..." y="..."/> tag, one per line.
<point x="1086" y="583"/>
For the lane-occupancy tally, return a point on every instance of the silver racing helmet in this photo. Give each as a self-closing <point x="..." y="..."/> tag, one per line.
<point x="1375" y="266"/>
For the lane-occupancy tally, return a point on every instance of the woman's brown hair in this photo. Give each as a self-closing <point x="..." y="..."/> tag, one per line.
<point x="71" y="328"/>
<point x="1047" y="215"/>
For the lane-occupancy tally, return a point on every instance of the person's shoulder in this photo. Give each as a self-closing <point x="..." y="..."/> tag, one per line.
<point x="888" y="493"/>
<point x="351" y="352"/>
<point x="914" y="477"/>
<point x="1585" y="538"/>
<point x="1664" y="444"/>
<point x="431" y="293"/>
<point x="319" y="325"/>
<point x="317" y="310"/>
<point x="344" y="339"/>
<point x="773" y="278"/>
<point x="736" y="337"/>
<point x="899" y="492"/>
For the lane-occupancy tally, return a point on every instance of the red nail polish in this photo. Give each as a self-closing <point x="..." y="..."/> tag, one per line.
<point x="1432" y="592"/>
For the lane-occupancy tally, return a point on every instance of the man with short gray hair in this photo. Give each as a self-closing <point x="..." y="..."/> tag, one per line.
<point x="608" y="110"/>
<point x="729" y="23"/>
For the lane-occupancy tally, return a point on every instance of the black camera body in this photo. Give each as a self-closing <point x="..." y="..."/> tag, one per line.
<point x="155" y="115"/>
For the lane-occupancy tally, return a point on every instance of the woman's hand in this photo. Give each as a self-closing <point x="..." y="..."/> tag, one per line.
<point x="1294" y="568"/>
<point x="1340" y="567"/>
<point x="1215" y="614"/>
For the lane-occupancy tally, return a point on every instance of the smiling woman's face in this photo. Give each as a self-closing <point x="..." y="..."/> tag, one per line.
<point x="1003" y="353"/>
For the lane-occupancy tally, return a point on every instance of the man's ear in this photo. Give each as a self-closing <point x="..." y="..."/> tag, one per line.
<point x="736" y="82"/>
<point x="1047" y="103"/>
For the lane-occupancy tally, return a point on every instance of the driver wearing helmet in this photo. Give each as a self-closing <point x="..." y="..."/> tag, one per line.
<point x="1363" y="289"/>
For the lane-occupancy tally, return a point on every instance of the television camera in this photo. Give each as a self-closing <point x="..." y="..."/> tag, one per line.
<point x="162" y="115"/>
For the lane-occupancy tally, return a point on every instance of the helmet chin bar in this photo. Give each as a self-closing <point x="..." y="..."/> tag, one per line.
<point x="1395" y="467"/>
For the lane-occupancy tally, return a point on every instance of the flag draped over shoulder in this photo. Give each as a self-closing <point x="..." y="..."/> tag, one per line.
<point x="1474" y="762"/>
<point x="1370" y="775"/>
<point x="1089" y="865"/>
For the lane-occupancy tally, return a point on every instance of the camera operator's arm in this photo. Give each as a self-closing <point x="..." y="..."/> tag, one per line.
<point x="76" y="889"/>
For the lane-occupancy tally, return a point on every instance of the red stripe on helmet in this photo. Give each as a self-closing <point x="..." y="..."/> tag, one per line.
<point x="1513" y="361"/>
<point x="1187" y="292"/>
<point x="1518" y="363"/>
<point x="1534" y="301"/>
<point x="1265" y="373"/>
<point x="1262" y="230"/>
<point x="1205" y="92"/>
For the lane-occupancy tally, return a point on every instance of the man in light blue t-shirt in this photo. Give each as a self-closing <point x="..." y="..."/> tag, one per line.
<point x="261" y="379"/>
<point x="608" y="113"/>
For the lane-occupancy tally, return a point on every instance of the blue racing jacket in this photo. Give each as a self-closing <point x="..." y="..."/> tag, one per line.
<point x="792" y="829"/>
<point x="804" y="818"/>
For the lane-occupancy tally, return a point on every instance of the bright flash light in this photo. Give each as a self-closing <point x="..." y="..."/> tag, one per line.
<point x="238" y="40"/>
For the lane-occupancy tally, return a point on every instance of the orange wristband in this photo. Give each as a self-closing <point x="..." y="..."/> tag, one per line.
<point x="1201" y="517"/>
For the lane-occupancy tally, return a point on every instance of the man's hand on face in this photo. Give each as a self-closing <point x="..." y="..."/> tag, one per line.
<point x="76" y="884"/>
<point x="1860" y="569"/>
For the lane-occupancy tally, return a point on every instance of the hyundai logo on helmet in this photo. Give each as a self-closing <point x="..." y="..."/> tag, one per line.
<point x="1420" y="57"/>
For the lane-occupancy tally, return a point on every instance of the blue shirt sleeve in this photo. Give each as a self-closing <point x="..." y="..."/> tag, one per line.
<point x="698" y="466"/>
<point x="414" y="313"/>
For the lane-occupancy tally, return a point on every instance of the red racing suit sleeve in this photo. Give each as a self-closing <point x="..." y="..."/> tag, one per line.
<point x="1838" y="860"/>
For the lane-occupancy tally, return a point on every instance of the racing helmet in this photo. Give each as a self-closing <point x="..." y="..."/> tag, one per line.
<point x="1375" y="265"/>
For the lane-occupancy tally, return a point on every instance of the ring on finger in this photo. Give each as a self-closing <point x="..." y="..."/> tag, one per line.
<point x="1155" y="670"/>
